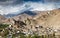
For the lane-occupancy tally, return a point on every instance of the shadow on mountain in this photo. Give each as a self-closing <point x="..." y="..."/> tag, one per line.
<point x="29" y="13"/>
<point x="25" y="12"/>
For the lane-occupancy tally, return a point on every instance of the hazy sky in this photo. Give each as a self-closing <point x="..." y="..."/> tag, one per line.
<point x="18" y="6"/>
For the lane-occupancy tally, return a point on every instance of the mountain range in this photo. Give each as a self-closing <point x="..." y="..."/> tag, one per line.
<point x="30" y="22"/>
<point x="41" y="16"/>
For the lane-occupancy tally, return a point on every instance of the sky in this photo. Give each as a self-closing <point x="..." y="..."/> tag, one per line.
<point x="19" y="6"/>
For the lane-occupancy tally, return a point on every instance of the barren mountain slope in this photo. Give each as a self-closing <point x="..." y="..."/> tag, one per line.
<point x="40" y="23"/>
<point x="44" y="18"/>
<point x="2" y="18"/>
<point x="49" y="18"/>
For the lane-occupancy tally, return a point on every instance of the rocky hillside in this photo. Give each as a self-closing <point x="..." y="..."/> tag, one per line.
<point x="43" y="22"/>
<point x="49" y="18"/>
<point x="2" y="18"/>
